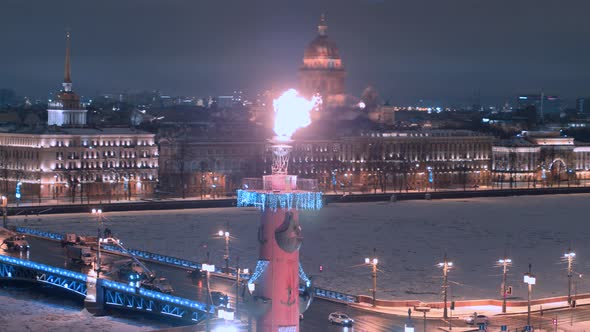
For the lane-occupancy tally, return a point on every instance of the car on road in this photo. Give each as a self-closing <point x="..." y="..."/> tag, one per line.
<point x="219" y="299"/>
<point x="195" y="273"/>
<point x="161" y="285"/>
<point x="129" y="270"/>
<point x="477" y="320"/>
<point x="340" y="318"/>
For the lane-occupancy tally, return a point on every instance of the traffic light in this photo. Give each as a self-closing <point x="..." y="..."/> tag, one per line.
<point x="321" y="268"/>
<point x="554" y="321"/>
<point x="573" y="303"/>
<point x="452" y="305"/>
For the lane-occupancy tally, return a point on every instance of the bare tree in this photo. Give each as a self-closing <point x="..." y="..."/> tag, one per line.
<point x="177" y="140"/>
<point x="4" y="172"/>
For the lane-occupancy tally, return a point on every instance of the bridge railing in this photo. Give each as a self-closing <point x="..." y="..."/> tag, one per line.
<point x="159" y="258"/>
<point x="155" y="257"/>
<point x="43" y="267"/>
<point x="36" y="232"/>
<point x="157" y="295"/>
<point x="332" y="295"/>
<point x="132" y="298"/>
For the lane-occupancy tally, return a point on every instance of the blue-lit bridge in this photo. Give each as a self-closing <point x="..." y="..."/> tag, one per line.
<point x="46" y="264"/>
<point x="102" y="293"/>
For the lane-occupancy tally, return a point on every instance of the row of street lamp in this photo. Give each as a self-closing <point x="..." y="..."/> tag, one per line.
<point x="529" y="279"/>
<point x="446" y="265"/>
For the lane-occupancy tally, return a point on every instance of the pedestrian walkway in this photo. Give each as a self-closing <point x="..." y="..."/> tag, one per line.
<point x="464" y="312"/>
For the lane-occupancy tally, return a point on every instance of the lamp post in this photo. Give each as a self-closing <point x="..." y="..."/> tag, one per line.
<point x="569" y="256"/>
<point x="225" y="235"/>
<point x="530" y="280"/>
<point x="445" y="265"/>
<point x="98" y="214"/>
<point x="208" y="268"/>
<point x="504" y="263"/>
<point x="373" y="262"/>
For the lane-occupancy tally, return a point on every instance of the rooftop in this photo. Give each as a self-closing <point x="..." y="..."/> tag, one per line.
<point x="79" y="131"/>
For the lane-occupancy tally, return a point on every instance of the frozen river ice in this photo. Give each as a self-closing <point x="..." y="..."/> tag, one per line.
<point x="410" y="238"/>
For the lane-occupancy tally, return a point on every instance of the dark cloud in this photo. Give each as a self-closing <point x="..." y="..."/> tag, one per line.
<point x="443" y="50"/>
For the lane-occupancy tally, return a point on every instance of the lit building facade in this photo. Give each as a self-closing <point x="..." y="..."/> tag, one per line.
<point x="80" y="164"/>
<point x="401" y="160"/>
<point x="396" y="160"/>
<point x="69" y="161"/>
<point x="209" y="164"/>
<point x="540" y="159"/>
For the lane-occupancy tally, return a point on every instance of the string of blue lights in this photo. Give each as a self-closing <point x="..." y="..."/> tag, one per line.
<point x="274" y="201"/>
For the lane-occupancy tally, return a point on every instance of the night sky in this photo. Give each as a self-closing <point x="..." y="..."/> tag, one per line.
<point x="442" y="50"/>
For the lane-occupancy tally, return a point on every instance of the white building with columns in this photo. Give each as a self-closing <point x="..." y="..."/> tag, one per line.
<point x="540" y="158"/>
<point x="72" y="162"/>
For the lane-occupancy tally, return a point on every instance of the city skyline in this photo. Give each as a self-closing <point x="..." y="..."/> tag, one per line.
<point x="424" y="50"/>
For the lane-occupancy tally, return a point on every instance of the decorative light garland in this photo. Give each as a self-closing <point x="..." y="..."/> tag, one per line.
<point x="43" y="267"/>
<point x="155" y="295"/>
<point x="303" y="276"/>
<point x="274" y="201"/>
<point x="261" y="266"/>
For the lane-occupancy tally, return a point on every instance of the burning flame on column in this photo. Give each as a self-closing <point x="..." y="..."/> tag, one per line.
<point x="292" y="112"/>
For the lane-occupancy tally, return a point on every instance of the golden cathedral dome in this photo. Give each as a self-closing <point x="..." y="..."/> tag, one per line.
<point x="322" y="52"/>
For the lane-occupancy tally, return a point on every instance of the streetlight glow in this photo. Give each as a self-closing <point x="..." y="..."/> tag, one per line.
<point x="446" y="265"/>
<point x="225" y="235"/>
<point x="569" y="254"/>
<point x="373" y="262"/>
<point x="504" y="263"/>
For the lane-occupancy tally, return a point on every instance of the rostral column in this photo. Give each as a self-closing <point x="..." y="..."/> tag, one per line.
<point x="275" y="282"/>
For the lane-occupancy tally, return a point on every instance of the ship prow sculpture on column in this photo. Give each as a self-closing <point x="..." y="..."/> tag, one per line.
<point x="274" y="288"/>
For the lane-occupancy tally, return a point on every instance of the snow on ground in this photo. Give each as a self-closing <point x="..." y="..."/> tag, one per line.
<point x="410" y="238"/>
<point x="22" y="310"/>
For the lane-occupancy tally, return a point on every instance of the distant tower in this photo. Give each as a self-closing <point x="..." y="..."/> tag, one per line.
<point x="66" y="110"/>
<point x="322" y="70"/>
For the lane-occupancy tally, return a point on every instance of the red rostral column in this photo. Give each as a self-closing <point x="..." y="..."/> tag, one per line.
<point x="276" y="278"/>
